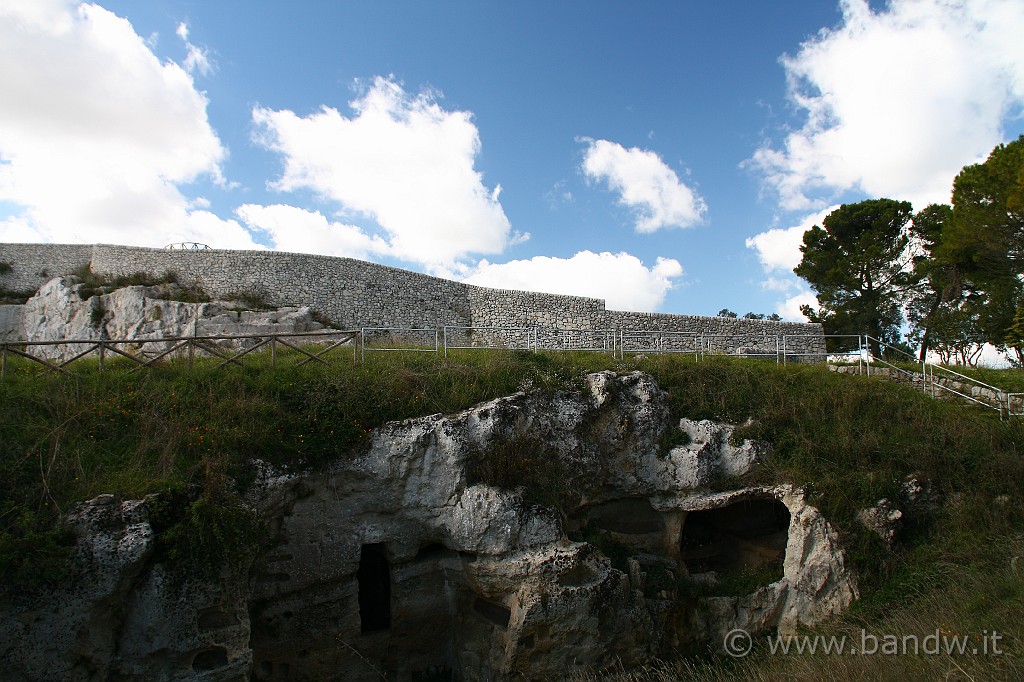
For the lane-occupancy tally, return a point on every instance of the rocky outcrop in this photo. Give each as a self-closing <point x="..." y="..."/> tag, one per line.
<point x="57" y="313"/>
<point x="404" y="561"/>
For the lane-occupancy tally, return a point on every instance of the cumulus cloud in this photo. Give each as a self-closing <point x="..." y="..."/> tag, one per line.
<point x="897" y="101"/>
<point x="96" y="133"/>
<point x="403" y="161"/>
<point x="779" y="248"/>
<point x="644" y="183"/>
<point x="290" y="228"/>
<point x="620" y="278"/>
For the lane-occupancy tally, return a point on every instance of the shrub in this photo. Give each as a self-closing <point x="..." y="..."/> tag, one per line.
<point x="209" y="532"/>
<point x="94" y="284"/>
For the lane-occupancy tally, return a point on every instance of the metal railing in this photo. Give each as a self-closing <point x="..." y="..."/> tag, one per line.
<point x="767" y="347"/>
<point x="401" y="339"/>
<point x="488" y="338"/>
<point x="188" y="246"/>
<point x="657" y="342"/>
<point x="934" y="380"/>
<point x="590" y="340"/>
<point x="791" y="349"/>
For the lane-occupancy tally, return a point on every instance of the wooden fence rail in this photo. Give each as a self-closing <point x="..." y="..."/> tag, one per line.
<point x="181" y="345"/>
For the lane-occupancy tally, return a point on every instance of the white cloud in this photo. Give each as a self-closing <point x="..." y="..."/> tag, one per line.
<point x="96" y="133"/>
<point x="402" y="160"/>
<point x="620" y="278"/>
<point x="790" y="308"/>
<point x="302" y="231"/>
<point x="897" y="101"/>
<point x="196" y="58"/>
<point x="782" y="285"/>
<point x="779" y="248"/>
<point x="644" y="183"/>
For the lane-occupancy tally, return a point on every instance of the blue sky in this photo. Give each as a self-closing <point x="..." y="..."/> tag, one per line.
<point x="662" y="155"/>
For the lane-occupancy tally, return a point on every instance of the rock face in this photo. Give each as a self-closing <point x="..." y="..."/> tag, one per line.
<point x="402" y="562"/>
<point x="57" y="313"/>
<point x="122" y="614"/>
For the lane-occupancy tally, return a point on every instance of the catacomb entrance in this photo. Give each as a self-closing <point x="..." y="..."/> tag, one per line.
<point x="746" y="536"/>
<point x="374" y="578"/>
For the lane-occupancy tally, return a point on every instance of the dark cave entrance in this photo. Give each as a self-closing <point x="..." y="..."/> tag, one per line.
<point x="374" y="578"/>
<point x="746" y="536"/>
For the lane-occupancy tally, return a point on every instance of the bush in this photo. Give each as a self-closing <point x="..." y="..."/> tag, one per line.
<point x="210" y="531"/>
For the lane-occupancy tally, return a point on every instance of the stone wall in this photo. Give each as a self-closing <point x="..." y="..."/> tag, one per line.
<point x="723" y="334"/>
<point x="33" y="264"/>
<point x="354" y="293"/>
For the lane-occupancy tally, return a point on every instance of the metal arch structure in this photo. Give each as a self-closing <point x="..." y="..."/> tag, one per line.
<point x="188" y="246"/>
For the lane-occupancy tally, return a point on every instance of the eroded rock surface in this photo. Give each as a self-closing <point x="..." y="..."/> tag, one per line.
<point x="398" y="562"/>
<point x="58" y="313"/>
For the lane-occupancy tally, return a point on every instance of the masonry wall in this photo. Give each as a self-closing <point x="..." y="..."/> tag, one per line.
<point x="727" y="334"/>
<point x="33" y="264"/>
<point x="355" y="293"/>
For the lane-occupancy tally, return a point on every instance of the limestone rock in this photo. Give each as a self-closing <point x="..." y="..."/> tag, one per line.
<point x="400" y="561"/>
<point x="120" y="612"/>
<point x="57" y="313"/>
<point x="709" y="455"/>
<point x="884" y="519"/>
<point x="919" y="497"/>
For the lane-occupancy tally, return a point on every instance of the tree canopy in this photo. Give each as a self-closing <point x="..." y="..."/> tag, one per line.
<point x="955" y="273"/>
<point x="858" y="262"/>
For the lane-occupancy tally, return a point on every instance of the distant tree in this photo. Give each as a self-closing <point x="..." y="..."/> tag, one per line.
<point x="774" y="317"/>
<point x="725" y="312"/>
<point x="859" y="264"/>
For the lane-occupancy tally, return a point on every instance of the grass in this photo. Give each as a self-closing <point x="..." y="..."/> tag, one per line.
<point x="977" y="602"/>
<point x="192" y="435"/>
<point x="94" y="284"/>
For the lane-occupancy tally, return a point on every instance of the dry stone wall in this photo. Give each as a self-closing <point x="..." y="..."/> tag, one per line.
<point x="724" y="334"/>
<point x="354" y="293"/>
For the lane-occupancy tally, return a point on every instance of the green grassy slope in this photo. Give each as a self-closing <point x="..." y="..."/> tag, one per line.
<point x="849" y="440"/>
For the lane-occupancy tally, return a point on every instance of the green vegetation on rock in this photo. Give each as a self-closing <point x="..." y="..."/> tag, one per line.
<point x="192" y="436"/>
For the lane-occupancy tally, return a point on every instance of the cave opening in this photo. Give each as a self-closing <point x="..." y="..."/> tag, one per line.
<point x="746" y="536"/>
<point x="374" y="579"/>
